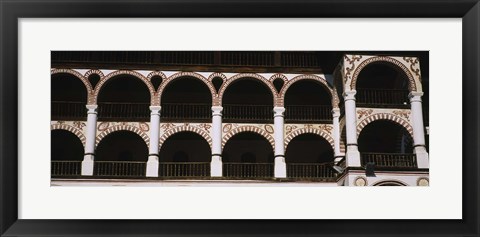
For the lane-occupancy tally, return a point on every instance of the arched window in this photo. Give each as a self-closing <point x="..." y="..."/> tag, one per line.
<point x="248" y="100"/>
<point x="387" y="145"/>
<point x="382" y="84"/>
<point x="67" y="153"/>
<point x="186" y="99"/>
<point x="121" y="154"/>
<point x="69" y="97"/>
<point x="308" y="101"/>
<point x="248" y="155"/>
<point x="309" y="156"/>
<point x="185" y="154"/>
<point x="124" y="98"/>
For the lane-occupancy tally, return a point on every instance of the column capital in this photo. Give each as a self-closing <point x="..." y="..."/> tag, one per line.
<point x="92" y="109"/>
<point x="155" y="109"/>
<point x="349" y="95"/>
<point x="415" y="96"/>
<point x="336" y="112"/>
<point x="278" y="111"/>
<point x="217" y="110"/>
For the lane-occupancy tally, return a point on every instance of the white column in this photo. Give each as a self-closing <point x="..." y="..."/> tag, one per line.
<point x="336" y="135"/>
<point x="216" y="164"/>
<point x="88" y="158"/>
<point x="418" y="132"/>
<point x="153" y="162"/>
<point x="280" y="170"/>
<point x="352" y="156"/>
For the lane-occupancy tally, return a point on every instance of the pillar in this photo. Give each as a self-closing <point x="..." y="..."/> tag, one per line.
<point x="336" y="135"/>
<point x="280" y="170"/>
<point x="352" y="156"/>
<point x="418" y="129"/>
<point x="216" y="164"/>
<point x="153" y="161"/>
<point x="88" y="158"/>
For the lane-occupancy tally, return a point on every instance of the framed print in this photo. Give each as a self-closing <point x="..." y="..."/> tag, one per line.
<point x="224" y="118"/>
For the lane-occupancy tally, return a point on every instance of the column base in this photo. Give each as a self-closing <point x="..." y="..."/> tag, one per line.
<point x="280" y="170"/>
<point x="152" y="166"/>
<point x="353" y="157"/>
<point x="87" y="165"/>
<point x="216" y="166"/>
<point x="422" y="157"/>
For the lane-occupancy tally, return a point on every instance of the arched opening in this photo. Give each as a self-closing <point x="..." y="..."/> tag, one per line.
<point x="66" y="153"/>
<point x="309" y="156"/>
<point x="248" y="100"/>
<point x="248" y="155"/>
<point x="382" y="84"/>
<point x="308" y="101"/>
<point x="387" y="145"/>
<point x="121" y="154"/>
<point x="124" y="98"/>
<point x="186" y="99"/>
<point x="389" y="183"/>
<point x="69" y="97"/>
<point x="185" y="154"/>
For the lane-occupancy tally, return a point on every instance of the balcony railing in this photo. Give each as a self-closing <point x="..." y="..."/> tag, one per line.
<point x="248" y="170"/>
<point x="120" y="169"/>
<point x="66" y="168"/>
<point x="382" y="98"/>
<point x="124" y="111"/>
<point x="310" y="170"/>
<point x="68" y="110"/>
<point x="184" y="169"/>
<point x="389" y="160"/>
<point x="186" y="111"/>
<point x="248" y="113"/>
<point x="308" y="113"/>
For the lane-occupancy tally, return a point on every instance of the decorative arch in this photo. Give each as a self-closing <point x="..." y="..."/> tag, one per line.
<point x="124" y="72"/>
<point x="278" y="75"/>
<point x="385" y="116"/>
<point x="77" y="132"/>
<point x="84" y="80"/>
<point x="248" y="128"/>
<point x="217" y="74"/>
<point x="186" y="74"/>
<point x="247" y="75"/>
<point x="323" y="82"/>
<point x="156" y="73"/>
<point x="93" y="71"/>
<point x="412" y="84"/>
<point x="390" y="181"/>
<point x="316" y="131"/>
<point x="130" y="128"/>
<point x="184" y="128"/>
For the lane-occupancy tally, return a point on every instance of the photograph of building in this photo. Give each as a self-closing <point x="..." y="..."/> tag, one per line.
<point x="271" y="118"/>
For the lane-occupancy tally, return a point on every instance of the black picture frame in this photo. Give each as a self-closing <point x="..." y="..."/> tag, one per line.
<point x="11" y="11"/>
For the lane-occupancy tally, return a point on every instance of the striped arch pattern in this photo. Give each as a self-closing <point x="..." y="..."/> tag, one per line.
<point x="71" y="129"/>
<point x="130" y="128"/>
<point x="186" y="74"/>
<point x="412" y="85"/>
<point x="93" y="71"/>
<point x="247" y="75"/>
<point x="248" y="128"/>
<point x="385" y="116"/>
<point x="111" y="75"/>
<point x="184" y="128"/>
<point x="84" y="80"/>
<point x="333" y="96"/>
<point x="301" y="131"/>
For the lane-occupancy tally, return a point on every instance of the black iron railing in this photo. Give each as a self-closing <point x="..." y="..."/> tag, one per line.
<point x="184" y="169"/>
<point x="172" y="111"/>
<point x="308" y="113"/>
<point x="124" y="111"/>
<point x="248" y="170"/>
<point x="382" y="97"/>
<point x="310" y="170"/>
<point x="389" y="160"/>
<point x="248" y="113"/>
<point x="120" y="169"/>
<point x="66" y="168"/>
<point x="68" y="110"/>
